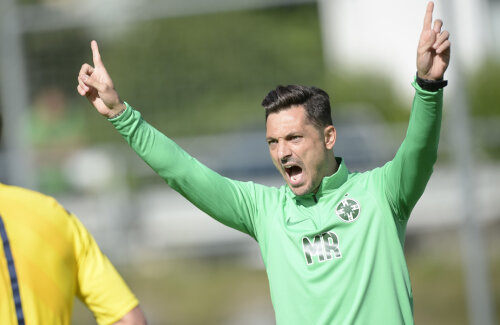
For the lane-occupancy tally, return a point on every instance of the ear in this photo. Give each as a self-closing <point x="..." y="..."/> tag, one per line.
<point x="330" y="135"/>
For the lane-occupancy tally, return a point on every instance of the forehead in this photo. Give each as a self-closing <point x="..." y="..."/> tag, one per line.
<point x="286" y="121"/>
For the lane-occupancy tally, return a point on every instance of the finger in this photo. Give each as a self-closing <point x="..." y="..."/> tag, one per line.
<point x="86" y="69"/>
<point x="427" y="40"/>
<point x="82" y="84"/>
<point x="445" y="46"/>
<point x="96" y="56"/>
<point x="428" y="15"/>
<point x="440" y="39"/>
<point x="91" y="82"/>
<point x="82" y="91"/>
<point x="438" y="23"/>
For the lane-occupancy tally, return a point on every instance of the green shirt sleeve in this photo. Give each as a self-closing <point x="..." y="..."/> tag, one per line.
<point x="408" y="173"/>
<point x="228" y="201"/>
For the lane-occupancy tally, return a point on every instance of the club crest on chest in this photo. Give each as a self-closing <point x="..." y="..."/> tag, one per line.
<point x="348" y="210"/>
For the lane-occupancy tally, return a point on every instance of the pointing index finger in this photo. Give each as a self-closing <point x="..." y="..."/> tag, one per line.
<point x="96" y="56"/>
<point x="428" y="16"/>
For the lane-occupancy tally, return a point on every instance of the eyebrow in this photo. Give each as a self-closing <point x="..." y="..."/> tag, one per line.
<point x="288" y="135"/>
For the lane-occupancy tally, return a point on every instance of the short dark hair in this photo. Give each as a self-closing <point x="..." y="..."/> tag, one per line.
<point x="315" y="101"/>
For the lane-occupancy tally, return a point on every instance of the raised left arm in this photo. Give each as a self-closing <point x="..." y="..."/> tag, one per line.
<point x="406" y="176"/>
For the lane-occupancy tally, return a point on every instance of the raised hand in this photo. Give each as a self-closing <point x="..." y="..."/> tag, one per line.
<point x="433" y="53"/>
<point x="96" y="84"/>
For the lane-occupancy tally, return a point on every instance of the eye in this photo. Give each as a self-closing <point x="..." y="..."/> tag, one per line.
<point x="271" y="142"/>
<point x="295" y="138"/>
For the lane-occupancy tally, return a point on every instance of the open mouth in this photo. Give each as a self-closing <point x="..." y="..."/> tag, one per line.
<point x="294" y="173"/>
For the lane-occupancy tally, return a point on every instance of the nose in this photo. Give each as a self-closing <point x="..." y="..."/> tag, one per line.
<point x="284" y="151"/>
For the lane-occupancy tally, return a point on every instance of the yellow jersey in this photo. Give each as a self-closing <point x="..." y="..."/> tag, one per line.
<point x="46" y="258"/>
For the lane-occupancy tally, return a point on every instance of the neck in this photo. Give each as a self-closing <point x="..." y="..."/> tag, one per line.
<point x="333" y="166"/>
<point x="331" y="169"/>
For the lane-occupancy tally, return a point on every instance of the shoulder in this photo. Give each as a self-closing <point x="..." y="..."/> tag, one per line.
<point x="362" y="178"/>
<point x="19" y="198"/>
<point x="16" y="193"/>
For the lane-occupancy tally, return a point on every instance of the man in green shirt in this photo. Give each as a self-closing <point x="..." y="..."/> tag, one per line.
<point x="331" y="240"/>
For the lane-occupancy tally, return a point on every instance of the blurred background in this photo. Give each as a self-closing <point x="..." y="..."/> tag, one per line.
<point x="198" y="70"/>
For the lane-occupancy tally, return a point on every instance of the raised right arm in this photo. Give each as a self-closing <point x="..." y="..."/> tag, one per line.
<point x="230" y="202"/>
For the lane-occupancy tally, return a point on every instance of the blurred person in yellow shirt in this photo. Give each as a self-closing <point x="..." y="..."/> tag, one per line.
<point x="47" y="257"/>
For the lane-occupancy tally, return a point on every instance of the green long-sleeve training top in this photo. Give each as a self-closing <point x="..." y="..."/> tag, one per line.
<point x="333" y="257"/>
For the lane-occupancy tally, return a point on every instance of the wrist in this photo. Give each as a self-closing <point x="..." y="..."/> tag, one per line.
<point x="117" y="111"/>
<point x="431" y="85"/>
